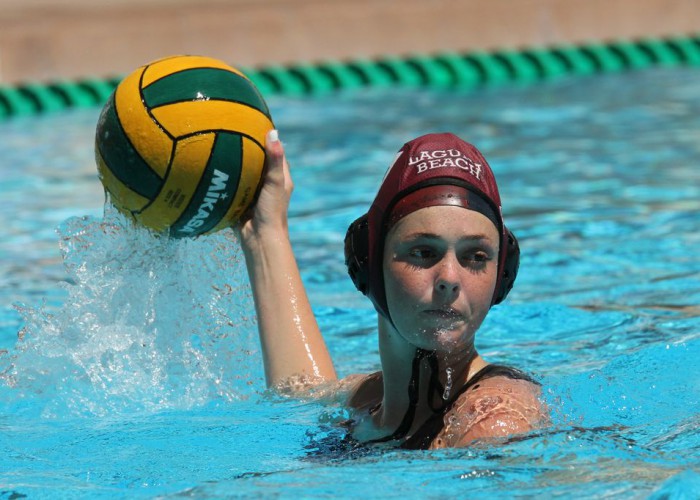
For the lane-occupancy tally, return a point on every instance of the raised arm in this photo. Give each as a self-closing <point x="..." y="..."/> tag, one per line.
<point x="294" y="351"/>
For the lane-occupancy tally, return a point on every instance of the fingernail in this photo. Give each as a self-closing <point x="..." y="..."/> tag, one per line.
<point x="273" y="135"/>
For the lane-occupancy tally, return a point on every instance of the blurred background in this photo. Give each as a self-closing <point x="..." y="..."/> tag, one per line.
<point x="49" y="40"/>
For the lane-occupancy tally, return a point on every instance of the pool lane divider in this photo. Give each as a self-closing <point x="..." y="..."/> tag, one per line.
<point x="447" y="70"/>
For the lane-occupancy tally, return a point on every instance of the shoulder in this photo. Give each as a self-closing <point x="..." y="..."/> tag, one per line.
<point x="363" y="391"/>
<point x="493" y="408"/>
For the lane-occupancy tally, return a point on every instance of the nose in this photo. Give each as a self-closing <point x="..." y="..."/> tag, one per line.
<point x="447" y="279"/>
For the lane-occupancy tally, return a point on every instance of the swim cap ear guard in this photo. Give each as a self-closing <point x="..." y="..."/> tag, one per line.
<point x="357" y="260"/>
<point x="357" y="253"/>
<point x="511" y="263"/>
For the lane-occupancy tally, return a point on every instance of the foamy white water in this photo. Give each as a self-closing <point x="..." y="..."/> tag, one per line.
<point x="150" y="323"/>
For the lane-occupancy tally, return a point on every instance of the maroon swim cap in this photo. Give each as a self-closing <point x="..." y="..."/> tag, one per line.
<point x="434" y="169"/>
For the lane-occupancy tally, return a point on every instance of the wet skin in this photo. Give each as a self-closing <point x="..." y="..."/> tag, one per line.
<point x="440" y="271"/>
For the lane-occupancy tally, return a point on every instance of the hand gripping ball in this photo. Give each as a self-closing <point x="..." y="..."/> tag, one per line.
<point x="180" y="145"/>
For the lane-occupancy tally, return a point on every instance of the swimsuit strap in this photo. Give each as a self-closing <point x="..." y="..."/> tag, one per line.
<point x="407" y="421"/>
<point x="422" y="438"/>
<point x="490" y="371"/>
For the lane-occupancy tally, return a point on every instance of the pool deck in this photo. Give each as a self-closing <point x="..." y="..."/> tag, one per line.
<point x="49" y="40"/>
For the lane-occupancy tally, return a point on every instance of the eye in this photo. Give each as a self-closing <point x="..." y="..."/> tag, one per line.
<point x="420" y="256"/>
<point x="480" y="256"/>
<point x="476" y="259"/>
<point x="422" y="253"/>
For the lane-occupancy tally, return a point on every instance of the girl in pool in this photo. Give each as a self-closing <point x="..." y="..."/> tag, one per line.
<point x="433" y="255"/>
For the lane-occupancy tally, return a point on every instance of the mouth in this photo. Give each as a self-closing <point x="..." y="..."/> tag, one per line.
<point x="447" y="313"/>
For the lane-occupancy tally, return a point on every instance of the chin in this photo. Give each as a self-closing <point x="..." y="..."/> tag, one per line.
<point x="445" y="340"/>
<point x="451" y="342"/>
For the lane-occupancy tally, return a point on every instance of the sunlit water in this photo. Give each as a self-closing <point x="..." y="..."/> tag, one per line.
<point x="132" y="367"/>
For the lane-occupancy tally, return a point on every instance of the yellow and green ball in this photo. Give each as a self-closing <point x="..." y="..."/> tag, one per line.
<point x="180" y="145"/>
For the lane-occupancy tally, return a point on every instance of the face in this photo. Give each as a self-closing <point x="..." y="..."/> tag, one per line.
<point x="440" y="269"/>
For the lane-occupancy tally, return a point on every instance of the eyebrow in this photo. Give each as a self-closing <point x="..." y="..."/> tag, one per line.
<point x="433" y="236"/>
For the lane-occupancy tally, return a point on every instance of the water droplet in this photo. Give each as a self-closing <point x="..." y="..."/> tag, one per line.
<point x="448" y="385"/>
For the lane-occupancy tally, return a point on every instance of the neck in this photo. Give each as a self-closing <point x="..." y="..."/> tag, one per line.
<point x="419" y="384"/>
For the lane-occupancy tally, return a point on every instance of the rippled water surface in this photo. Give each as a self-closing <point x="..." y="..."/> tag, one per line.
<point x="130" y="365"/>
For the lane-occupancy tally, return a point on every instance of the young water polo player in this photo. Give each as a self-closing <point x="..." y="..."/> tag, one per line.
<point x="433" y="255"/>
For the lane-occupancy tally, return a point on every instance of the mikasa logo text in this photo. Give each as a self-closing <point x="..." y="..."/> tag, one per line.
<point x="218" y="184"/>
<point x="441" y="158"/>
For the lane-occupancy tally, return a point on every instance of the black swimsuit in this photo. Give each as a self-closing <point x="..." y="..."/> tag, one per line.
<point x="347" y="446"/>
<point x="421" y="439"/>
<point x="425" y="435"/>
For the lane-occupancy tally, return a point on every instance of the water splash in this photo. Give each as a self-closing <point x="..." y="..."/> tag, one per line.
<point x="150" y="323"/>
<point x="448" y="384"/>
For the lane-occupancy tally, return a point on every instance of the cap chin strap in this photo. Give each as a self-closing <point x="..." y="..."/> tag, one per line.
<point x="413" y="387"/>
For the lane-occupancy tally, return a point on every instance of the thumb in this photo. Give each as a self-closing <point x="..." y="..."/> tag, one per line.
<point x="276" y="161"/>
<point x="274" y="152"/>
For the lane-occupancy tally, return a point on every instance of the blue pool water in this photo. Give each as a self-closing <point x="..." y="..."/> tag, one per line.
<point x="130" y="366"/>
